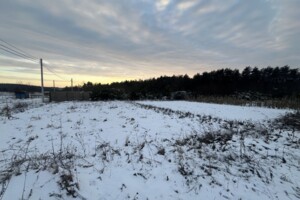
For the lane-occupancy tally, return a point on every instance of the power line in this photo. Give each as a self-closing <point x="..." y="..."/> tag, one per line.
<point x="16" y="54"/>
<point x="27" y="54"/>
<point x="52" y="71"/>
<point x="10" y="48"/>
<point x="59" y="81"/>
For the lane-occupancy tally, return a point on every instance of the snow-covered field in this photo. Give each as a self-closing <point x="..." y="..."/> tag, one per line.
<point x="230" y="112"/>
<point x="146" y="150"/>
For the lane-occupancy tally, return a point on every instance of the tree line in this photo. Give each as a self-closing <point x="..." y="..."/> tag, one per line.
<point x="11" y="87"/>
<point x="272" y="82"/>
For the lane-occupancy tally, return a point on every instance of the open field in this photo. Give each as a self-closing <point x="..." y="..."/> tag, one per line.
<point x="146" y="150"/>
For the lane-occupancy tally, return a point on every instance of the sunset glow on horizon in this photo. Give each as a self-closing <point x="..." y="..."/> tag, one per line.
<point x="112" y="41"/>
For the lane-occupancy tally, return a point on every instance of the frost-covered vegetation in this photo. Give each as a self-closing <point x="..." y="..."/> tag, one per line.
<point x="147" y="150"/>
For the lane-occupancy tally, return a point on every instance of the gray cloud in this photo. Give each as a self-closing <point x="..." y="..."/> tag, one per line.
<point x="136" y="39"/>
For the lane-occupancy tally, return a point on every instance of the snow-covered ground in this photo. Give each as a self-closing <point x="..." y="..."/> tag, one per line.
<point x="146" y="150"/>
<point x="230" y="112"/>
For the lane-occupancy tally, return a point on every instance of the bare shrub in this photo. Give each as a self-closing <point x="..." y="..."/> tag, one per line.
<point x="20" y="107"/>
<point x="6" y="112"/>
<point x="67" y="183"/>
<point x="56" y="162"/>
<point x="290" y="120"/>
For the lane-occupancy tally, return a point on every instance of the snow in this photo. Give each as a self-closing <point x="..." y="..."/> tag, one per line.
<point x="110" y="150"/>
<point x="230" y="112"/>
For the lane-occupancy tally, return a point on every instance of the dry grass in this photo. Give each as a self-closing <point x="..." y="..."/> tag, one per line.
<point x="290" y="120"/>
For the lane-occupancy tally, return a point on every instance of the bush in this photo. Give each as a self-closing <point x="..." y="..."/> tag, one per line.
<point x="107" y="94"/>
<point x="20" y="107"/>
<point x="290" y="120"/>
<point x="6" y="112"/>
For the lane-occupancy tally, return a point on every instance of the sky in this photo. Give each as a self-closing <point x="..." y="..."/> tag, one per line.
<point x="105" y="41"/>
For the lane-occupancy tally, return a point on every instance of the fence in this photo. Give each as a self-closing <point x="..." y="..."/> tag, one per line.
<point x="69" y="96"/>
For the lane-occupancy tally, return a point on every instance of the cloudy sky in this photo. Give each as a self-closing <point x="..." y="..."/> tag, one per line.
<point x="114" y="40"/>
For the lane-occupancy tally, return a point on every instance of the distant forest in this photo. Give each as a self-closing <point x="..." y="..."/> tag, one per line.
<point x="250" y="83"/>
<point x="10" y="87"/>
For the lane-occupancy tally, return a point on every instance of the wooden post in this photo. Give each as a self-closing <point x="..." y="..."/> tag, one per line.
<point x="53" y="85"/>
<point x="72" y="84"/>
<point x="42" y="81"/>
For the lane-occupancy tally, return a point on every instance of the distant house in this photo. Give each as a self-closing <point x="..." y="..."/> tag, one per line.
<point x="34" y="95"/>
<point x="21" y="95"/>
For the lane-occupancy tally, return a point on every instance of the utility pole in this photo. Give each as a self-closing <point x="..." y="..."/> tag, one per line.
<point x="72" y="84"/>
<point x="53" y="85"/>
<point x="42" y="81"/>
